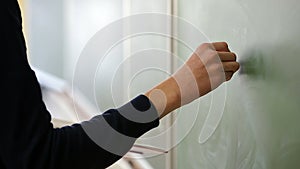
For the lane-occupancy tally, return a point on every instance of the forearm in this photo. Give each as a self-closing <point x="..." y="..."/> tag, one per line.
<point x="165" y="96"/>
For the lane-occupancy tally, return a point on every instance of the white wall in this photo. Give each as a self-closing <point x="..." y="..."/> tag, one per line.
<point x="59" y="31"/>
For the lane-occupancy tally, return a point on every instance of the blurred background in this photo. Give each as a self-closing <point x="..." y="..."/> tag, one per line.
<point x="259" y="128"/>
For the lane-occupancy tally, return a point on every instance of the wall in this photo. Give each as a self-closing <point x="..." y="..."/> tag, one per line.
<point x="45" y="34"/>
<point x="59" y="31"/>
<point x="260" y="125"/>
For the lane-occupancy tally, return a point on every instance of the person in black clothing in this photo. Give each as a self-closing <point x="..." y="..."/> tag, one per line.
<point x="28" y="139"/>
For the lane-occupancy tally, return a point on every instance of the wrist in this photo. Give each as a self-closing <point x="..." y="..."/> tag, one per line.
<point x="165" y="96"/>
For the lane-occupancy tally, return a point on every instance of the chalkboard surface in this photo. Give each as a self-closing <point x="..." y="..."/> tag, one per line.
<point x="260" y="127"/>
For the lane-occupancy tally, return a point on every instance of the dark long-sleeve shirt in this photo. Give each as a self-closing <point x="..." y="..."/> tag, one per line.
<point x="28" y="139"/>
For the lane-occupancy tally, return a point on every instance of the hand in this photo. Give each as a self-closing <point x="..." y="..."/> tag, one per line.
<point x="207" y="68"/>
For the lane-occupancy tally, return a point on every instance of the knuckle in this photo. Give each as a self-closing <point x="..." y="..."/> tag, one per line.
<point x="228" y="77"/>
<point x="214" y="54"/>
<point x="237" y="66"/>
<point x="224" y="44"/>
<point x="234" y="56"/>
<point x="205" y="45"/>
<point x="232" y="66"/>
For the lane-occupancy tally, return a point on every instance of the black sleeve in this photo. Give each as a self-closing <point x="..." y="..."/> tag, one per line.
<point x="28" y="139"/>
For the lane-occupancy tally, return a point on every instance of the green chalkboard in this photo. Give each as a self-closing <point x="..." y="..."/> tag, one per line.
<point x="260" y="126"/>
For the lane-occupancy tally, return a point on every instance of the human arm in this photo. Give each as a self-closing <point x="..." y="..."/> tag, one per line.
<point x="207" y="68"/>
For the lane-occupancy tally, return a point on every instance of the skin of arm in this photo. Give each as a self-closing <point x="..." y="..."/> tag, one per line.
<point x="207" y="68"/>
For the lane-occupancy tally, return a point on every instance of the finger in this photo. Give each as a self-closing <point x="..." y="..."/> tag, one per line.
<point x="231" y="66"/>
<point x="228" y="75"/>
<point x="221" y="46"/>
<point x="227" y="56"/>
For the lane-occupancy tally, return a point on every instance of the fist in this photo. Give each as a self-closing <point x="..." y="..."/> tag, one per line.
<point x="208" y="67"/>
